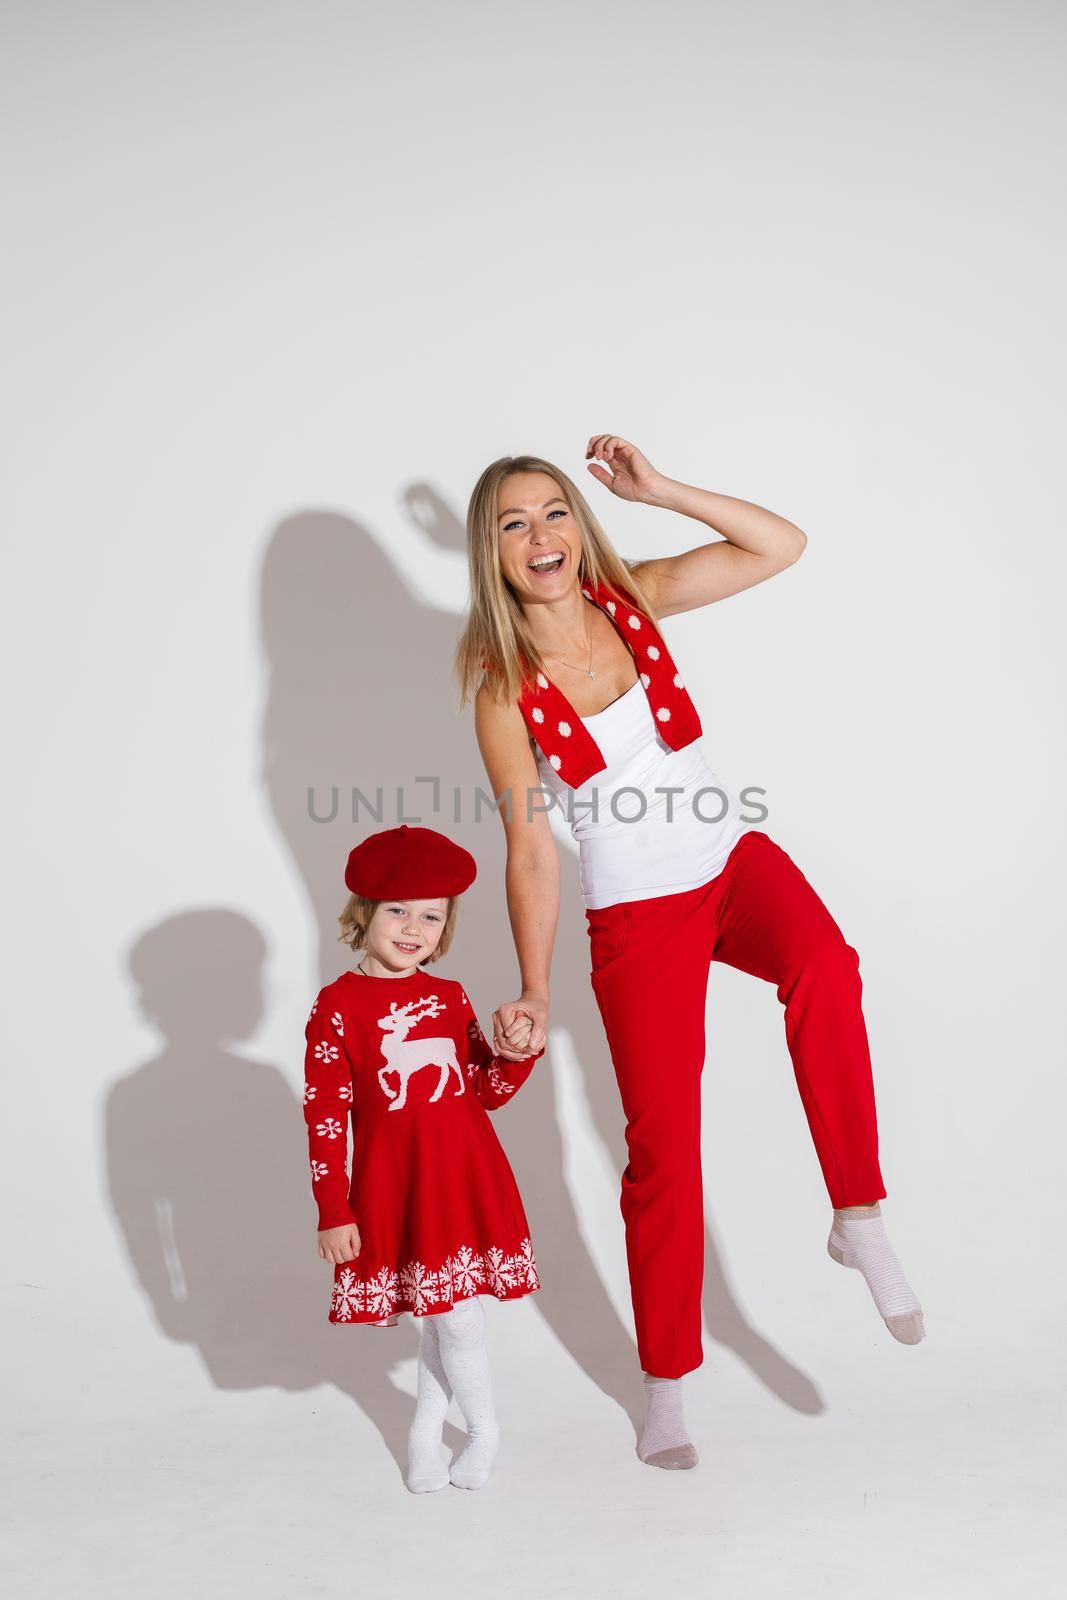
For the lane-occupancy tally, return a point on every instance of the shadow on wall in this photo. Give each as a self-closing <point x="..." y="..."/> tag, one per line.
<point x="205" y="1148"/>
<point x="213" y="1206"/>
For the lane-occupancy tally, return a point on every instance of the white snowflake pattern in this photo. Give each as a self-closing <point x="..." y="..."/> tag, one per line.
<point x="498" y="1083"/>
<point x="310" y="1092"/>
<point x="345" y="1092"/>
<point x="319" y="1169"/>
<point x="419" y="1289"/>
<point x="467" y="1270"/>
<point x="349" y="1295"/>
<point x="529" y="1265"/>
<point x="314" y="1008"/>
<point x="381" y="1292"/>
<point x="338" y="1022"/>
<point x="444" y="1292"/>
<point x="499" y="1270"/>
<point x="419" y="1285"/>
<point x="330" y="1129"/>
<point x="326" y="1052"/>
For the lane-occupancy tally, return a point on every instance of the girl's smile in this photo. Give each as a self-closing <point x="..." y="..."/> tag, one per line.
<point x="401" y="934"/>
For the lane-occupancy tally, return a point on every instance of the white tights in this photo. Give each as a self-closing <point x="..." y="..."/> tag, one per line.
<point x="453" y="1360"/>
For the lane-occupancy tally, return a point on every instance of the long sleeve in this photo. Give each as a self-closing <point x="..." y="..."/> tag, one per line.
<point x="494" y="1079"/>
<point x="327" y="1107"/>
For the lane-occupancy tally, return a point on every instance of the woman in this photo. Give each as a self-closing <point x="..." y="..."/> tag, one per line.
<point x="574" y="682"/>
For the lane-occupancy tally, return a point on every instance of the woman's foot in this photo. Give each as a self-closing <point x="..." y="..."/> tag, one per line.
<point x="858" y="1239"/>
<point x="664" y="1441"/>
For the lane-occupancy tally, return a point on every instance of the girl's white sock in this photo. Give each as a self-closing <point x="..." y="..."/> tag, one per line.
<point x="465" y="1359"/>
<point x="427" y="1455"/>
<point x="664" y="1441"/>
<point x="860" y="1241"/>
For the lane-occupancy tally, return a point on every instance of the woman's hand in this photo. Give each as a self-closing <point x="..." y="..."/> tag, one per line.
<point x="632" y="475"/>
<point x="520" y="1027"/>
<point x="340" y="1244"/>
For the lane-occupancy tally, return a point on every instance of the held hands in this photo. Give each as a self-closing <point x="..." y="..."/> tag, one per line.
<point x="632" y="475"/>
<point x="520" y="1027"/>
<point x="338" y="1245"/>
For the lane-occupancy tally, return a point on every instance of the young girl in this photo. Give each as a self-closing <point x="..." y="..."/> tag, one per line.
<point x="432" y="1218"/>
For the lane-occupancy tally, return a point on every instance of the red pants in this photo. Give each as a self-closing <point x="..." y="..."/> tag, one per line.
<point x="649" y="974"/>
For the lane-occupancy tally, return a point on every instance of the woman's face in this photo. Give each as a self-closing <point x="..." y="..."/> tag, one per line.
<point x="540" y="546"/>
<point x="402" y="933"/>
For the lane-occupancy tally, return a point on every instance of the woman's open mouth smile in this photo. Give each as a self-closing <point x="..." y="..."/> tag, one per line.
<point x="546" y="565"/>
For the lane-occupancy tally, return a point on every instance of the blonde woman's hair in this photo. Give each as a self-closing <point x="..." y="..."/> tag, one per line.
<point x="496" y="641"/>
<point x="356" y="916"/>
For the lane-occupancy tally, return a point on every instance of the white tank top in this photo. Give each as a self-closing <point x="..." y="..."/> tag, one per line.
<point x="647" y="843"/>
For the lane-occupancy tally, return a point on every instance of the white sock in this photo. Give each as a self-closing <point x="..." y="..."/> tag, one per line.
<point x="465" y="1359"/>
<point x="427" y="1454"/>
<point x="664" y="1441"/>
<point x="861" y="1241"/>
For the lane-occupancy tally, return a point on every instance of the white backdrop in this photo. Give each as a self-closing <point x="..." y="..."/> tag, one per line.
<point x="281" y="279"/>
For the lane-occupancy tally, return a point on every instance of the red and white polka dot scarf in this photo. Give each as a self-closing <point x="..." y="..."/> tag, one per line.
<point x="567" y="744"/>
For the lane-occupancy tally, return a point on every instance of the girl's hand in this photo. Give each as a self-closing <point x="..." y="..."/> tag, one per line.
<point x="520" y="1027"/>
<point x="338" y="1245"/>
<point x="632" y="475"/>
<point x="522" y="1041"/>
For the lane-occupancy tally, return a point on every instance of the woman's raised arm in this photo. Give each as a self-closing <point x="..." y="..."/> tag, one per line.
<point x="532" y="872"/>
<point x="755" y="545"/>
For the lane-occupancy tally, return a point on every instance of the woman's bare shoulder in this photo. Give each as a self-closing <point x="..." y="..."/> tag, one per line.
<point x="497" y="716"/>
<point x="507" y="751"/>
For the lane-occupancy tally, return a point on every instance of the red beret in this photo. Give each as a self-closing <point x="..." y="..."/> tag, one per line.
<point x="408" y="864"/>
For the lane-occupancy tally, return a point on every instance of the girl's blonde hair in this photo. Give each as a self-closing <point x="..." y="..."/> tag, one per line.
<point x="496" y="640"/>
<point x="356" y="916"/>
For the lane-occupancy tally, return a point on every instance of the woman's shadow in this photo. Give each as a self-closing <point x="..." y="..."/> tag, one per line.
<point x="361" y="696"/>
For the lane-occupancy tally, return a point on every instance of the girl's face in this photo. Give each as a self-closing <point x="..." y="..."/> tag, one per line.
<point x="538" y="539"/>
<point x="402" y="933"/>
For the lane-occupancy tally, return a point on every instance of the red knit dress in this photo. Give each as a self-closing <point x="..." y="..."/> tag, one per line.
<point x="432" y="1192"/>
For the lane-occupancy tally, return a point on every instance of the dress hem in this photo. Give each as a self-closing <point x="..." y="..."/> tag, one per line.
<point x="361" y="1319"/>
<point x="423" y="1290"/>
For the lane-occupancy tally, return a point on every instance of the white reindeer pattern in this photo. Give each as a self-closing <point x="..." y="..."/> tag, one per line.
<point x="404" y="1056"/>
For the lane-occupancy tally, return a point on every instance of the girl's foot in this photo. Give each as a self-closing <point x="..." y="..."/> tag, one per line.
<point x="427" y="1466"/>
<point x="472" y="1466"/>
<point x="858" y="1239"/>
<point x="664" y="1441"/>
<point x="465" y="1359"/>
<point x="427" y="1455"/>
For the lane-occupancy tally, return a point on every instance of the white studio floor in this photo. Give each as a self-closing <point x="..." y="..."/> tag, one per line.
<point x="922" y="1476"/>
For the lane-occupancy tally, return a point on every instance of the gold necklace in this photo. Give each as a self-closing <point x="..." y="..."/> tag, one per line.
<point x="587" y="670"/>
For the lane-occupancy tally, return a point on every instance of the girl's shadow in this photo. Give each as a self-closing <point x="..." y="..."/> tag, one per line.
<point x="208" y="1181"/>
